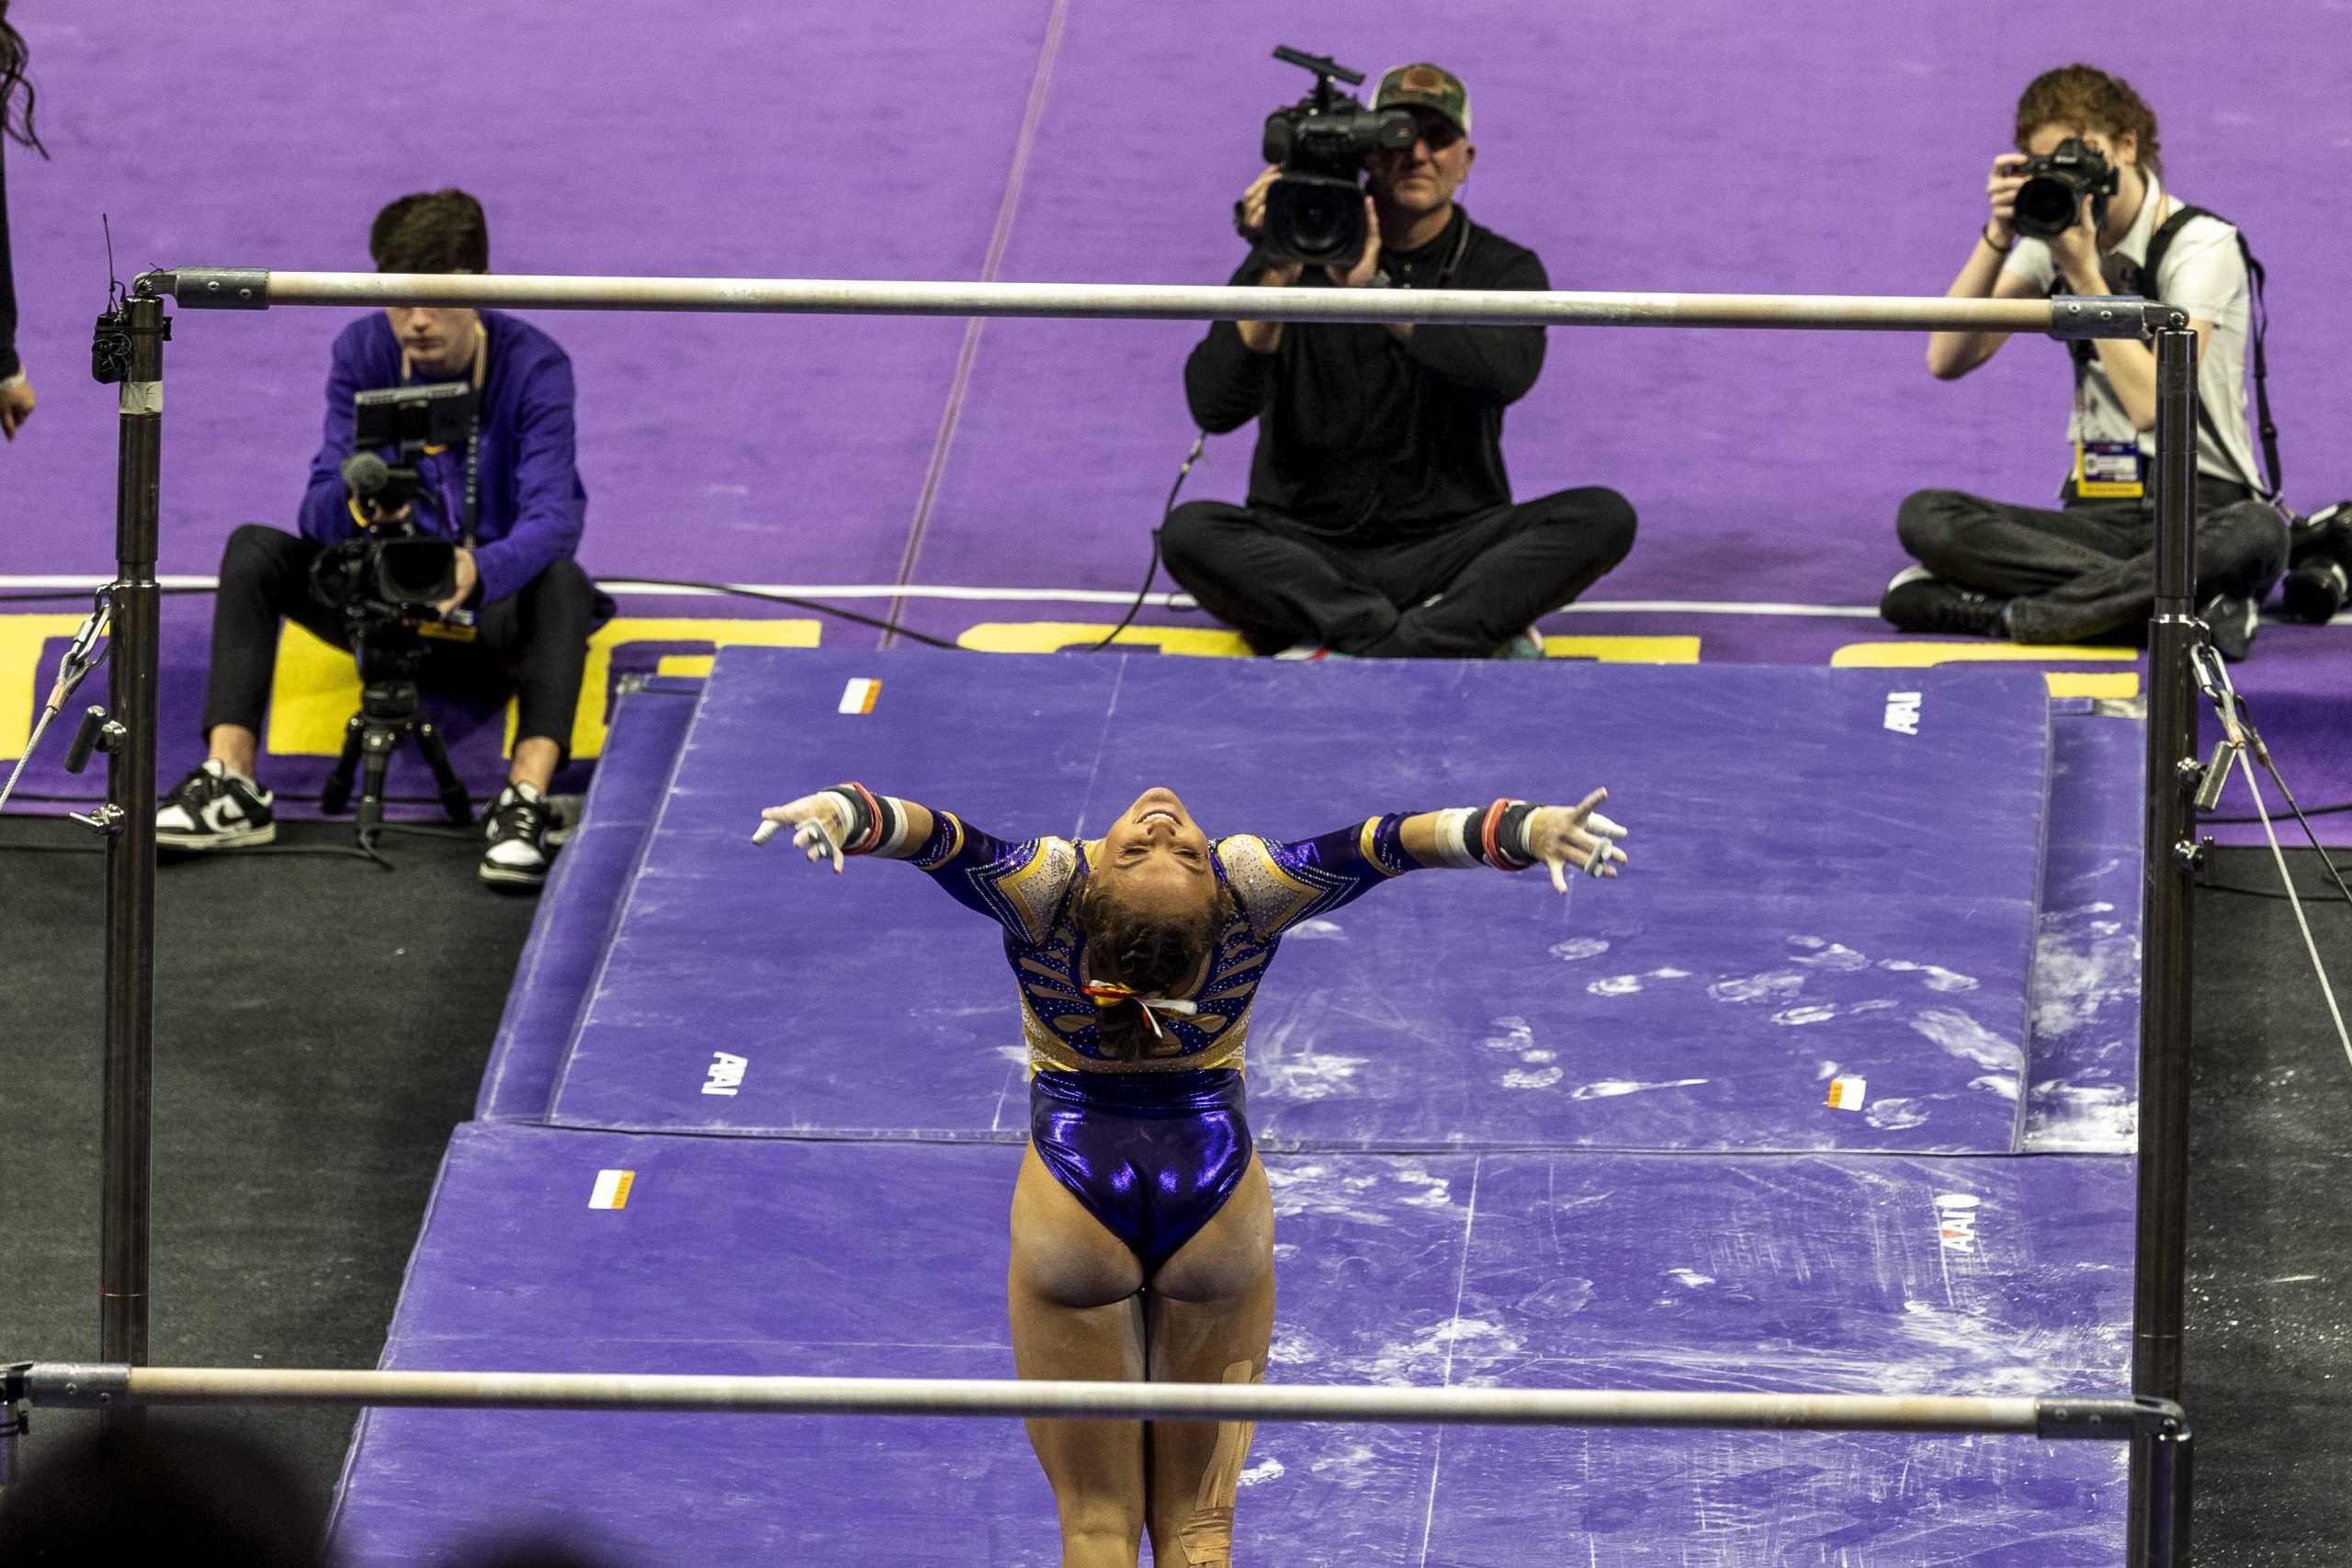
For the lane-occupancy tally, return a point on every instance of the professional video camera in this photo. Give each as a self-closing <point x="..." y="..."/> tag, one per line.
<point x="2055" y="186"/>
<point x="395" y="571"/>
<point x="1315" y="208"/>
<point x="387" y="583"/>
<point x="2319" y="565"/>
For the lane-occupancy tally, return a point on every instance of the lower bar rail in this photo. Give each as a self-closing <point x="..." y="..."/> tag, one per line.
<point x="68" y="1385"/>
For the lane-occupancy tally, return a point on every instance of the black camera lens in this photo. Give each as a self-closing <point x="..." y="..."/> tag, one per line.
<point x="1315" y="220"/>
<point x="2315" y="591"/>
<point x="416" y="572"/>
<point x="1320" y="222"/>
<point x="2046" y="206"/>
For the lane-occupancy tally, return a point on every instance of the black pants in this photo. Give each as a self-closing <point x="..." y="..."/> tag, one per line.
<point x="1491" y="574"/>
<point x="2090" y="569"/>
<point x="538" y="636"/>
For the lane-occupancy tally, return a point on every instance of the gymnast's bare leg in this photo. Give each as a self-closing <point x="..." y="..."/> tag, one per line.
<point x="1209" y="1316"/>
<point x="1081" y="1309"/>
<point x="1076" y="1307"/>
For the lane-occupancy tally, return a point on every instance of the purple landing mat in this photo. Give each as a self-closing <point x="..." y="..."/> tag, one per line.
<point x="2082" y="1051"/>
<point x="580" y="903"/>
<point x="1861" y="1276"/>
<point x="1826" y="915"/>
<point x="1792" y="1273"/>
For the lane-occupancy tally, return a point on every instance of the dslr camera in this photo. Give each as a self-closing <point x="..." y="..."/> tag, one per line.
<point x="2056" y="185"/>
<point x="2319" y="565"/>
<point x="1315" y="208"/>
<point x="395" y="571"/>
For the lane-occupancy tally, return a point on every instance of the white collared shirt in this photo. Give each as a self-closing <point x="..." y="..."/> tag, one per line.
<point x="2204" y="275"/>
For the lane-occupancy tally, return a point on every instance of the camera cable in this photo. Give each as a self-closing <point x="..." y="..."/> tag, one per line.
<point x="1152" y="567"/>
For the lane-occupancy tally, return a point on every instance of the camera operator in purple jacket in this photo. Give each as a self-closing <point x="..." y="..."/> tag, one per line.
<point x="507" y="496"/>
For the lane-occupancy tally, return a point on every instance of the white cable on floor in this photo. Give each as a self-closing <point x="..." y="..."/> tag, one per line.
<point x="2295" y="902"/>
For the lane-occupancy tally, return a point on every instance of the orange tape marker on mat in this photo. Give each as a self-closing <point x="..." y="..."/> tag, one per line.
<point x="612" y="1190"/>
<point x="859" y="694"/>
<point x="1846" y="1094"/>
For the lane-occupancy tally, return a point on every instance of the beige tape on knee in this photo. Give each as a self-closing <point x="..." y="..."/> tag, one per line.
<point x="1207" y="1537"/>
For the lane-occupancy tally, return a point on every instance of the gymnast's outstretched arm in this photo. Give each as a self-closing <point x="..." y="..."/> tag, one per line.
<point x="974" y="868"/>
<point x="850" y="820"/>
<point x="1281" y="883"/>
<point x="1513" y="834"/>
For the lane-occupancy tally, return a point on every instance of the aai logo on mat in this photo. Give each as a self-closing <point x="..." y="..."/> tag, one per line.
<point x="1956" y="1220"/>
<point x="726" y="1075"/>
<point x="1903" y="712"/>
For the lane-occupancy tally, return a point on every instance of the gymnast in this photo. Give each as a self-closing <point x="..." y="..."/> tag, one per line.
<point x="1142" y="1224"/>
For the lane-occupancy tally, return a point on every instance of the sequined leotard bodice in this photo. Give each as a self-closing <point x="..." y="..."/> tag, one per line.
<point x="1029" y="889"/>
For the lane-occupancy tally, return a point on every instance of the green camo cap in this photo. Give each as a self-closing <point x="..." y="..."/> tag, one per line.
<point x="1427" y="86"/>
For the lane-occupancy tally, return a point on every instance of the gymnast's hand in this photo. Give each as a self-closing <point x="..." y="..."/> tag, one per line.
<point x="1577" y="835"/>
<point x="819" y="824"/>
<point x="16" y="403"/>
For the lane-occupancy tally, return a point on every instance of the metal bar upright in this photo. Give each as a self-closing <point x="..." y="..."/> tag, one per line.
<point x="2159" y="1280"/>
<point x="128" y="821"/>
<point x="2168" y="1473"/>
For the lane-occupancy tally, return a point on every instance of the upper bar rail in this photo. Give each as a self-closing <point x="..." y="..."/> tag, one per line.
<point x="2067" y="316"/>
<point x="105" y="1386"/>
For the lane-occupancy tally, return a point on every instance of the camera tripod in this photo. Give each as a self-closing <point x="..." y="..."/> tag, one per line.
<point x="389" y="715"/>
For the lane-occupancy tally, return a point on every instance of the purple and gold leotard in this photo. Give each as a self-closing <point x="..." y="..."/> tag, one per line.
<point x="1152" y="1147"/>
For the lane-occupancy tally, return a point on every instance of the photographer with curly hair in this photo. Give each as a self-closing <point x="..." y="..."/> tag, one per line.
<point x="1380" y="519"/>
<point x="532" y="607"/>
<point x="2086" y="568"/>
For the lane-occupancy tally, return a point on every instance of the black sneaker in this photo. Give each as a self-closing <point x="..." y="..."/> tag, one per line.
<point x="517" y="829"/>
<point x="2232" y="622"/>
<point x="215" y="809"/>
<point x="1919" y="601"/>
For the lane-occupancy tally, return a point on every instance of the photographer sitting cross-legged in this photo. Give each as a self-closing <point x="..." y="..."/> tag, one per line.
<point x="510" y="497"/>
<point x="1380" y="520"/>
<point x="2086" y="568"/>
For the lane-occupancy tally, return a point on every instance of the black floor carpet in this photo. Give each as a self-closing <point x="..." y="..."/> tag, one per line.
<point x="2269" y="1327"/>
<point x="323" y="1025"/>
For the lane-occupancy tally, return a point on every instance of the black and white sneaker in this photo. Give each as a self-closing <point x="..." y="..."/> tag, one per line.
<point x="1919" y="601"/>
<point x="215" y="809"/>
<point x="2231" y="622"/>
<point x="517" y="829"/>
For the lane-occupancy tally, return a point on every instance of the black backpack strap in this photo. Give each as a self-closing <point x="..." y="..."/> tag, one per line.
<point x="2258" y="312"/>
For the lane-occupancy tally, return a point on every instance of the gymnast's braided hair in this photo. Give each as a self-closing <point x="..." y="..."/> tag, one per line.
<point x="1150" y="952"/>
<point x="16" y="105"/>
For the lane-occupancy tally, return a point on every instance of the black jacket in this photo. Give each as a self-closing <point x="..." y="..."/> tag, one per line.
<point x="1361" y="434"/>
<point x="8" y="364"/>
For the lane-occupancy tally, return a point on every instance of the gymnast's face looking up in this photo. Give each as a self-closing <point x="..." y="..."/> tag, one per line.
<point x="1156" y="857"/>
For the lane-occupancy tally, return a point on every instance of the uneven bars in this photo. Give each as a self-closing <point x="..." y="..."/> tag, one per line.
<point x="258" y="288"/>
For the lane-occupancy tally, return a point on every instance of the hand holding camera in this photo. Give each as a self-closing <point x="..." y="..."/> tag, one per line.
<point x="1250" y="219"/>
<point x="465" y="577"/>
<point x="2063" y="190"/>
<point x="1310" y="210"/>
<point x="1250" y="223"/>
<point x="2001" y="191"/>
<point x="2073" y="248"/>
